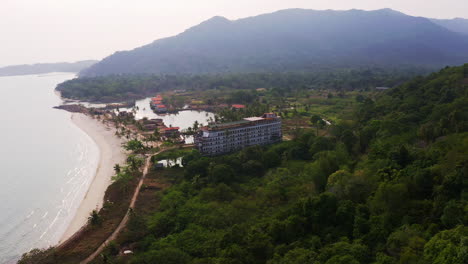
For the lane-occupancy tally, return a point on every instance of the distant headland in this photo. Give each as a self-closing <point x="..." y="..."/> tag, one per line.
<point x="42" y="68"/>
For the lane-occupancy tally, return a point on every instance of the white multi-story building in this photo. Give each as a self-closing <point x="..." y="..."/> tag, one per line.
<point x="223" y="138"/>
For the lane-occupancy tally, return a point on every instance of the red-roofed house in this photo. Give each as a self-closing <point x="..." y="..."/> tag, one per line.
<point x="170" y="131"/>
<point x="155" y="101"/>
<point x="238" y="106"/>
<point x="160" y="108"/>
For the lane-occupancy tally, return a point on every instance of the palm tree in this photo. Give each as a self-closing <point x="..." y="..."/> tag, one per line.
<point x="318" y="122"/>
<point x="134" y="162"/>
<point x="117" y="168"/>
<point x="94" y="218"/>
<point x="195" y="125"/>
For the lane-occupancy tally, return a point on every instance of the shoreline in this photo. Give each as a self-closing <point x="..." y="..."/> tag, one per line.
<point x="110" y="153"/>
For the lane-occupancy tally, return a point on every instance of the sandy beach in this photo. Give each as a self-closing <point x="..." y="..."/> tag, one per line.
<point x="110" y="153"/>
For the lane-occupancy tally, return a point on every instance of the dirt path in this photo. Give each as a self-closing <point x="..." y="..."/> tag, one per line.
<point x="124" y="221"/>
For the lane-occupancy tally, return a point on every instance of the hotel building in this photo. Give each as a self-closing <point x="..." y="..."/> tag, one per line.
<point x="217" y="139"/>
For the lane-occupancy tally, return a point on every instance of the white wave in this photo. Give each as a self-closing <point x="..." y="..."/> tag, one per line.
<point x="44" y="216"/>
<point x="30" y="214"/>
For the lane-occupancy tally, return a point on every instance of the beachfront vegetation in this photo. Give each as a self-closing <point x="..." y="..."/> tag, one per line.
<point x="94" y="218"/>
<point x="133" y="145"/>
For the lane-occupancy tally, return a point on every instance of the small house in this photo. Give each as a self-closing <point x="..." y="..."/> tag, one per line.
<point x="238" y="106"/>
<point x="160" y="108"/>
<point x="171" y="131"/>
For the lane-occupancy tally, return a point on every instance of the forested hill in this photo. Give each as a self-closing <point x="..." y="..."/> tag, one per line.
<point x="386" y="185"/>
<point x="294" y="39"/>
<point x="42" y="68"/>
<point x="390" y="186"/>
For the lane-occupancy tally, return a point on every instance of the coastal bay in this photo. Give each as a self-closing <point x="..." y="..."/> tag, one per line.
<point x="47" y="164"/>
<point x="56" y="166"/>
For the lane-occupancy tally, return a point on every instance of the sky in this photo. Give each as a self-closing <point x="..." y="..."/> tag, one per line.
<point x="43" y="31"/>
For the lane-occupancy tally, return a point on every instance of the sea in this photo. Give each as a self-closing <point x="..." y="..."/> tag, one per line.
<point x="46" y="164"/>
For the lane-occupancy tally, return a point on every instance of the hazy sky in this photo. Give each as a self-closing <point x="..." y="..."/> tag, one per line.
<point x="69" y="30"/>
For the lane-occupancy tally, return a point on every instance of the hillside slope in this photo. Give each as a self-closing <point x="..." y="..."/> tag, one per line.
<point x="294" y="39"/>
<point x="390" y="187"/>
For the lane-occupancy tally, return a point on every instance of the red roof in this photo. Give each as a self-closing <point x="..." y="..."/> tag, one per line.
<point x="238" y="106"/>
<point x="161" y="106"/>
<point x="171" y="128"/>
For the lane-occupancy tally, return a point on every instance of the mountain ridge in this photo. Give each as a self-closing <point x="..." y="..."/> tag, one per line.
<point x="459" y="25"/>
<point x="294" y="39"/>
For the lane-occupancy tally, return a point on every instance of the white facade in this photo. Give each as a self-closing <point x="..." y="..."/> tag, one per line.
<point x="229" y="137"/>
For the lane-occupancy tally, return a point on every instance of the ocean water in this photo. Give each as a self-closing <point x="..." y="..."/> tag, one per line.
<point x="46" y="165"/>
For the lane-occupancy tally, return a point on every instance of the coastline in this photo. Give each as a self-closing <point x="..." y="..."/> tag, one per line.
<point x="110" y="153"/>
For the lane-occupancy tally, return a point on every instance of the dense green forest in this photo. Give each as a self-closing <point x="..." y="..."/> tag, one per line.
<point x="127" y="87"/>
<point x="388" y="186"/>
<point x="387" y="183"/>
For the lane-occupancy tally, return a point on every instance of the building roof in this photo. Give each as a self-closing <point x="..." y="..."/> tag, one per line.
<point x="171" y="128"/>
<point x="228" y="125"/>
<point x="238" y="106"/>
<point x="161" y="106"/>
<point x="244" y="122"/>
<point x="254" y="118"/>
